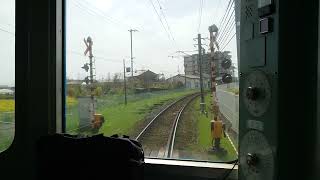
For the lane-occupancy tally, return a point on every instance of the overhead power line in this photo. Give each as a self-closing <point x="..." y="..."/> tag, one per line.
<point x="165" y="19"/>
<point x="200" y="14"/>
<point x="160" y="19"/>
<point x="97" y="57"/>
<point x="227" y="25"/>
<point x="222" y="20"/>
<point x="143" y="65"/>
<point x="228" y="41"/>
<point x="109" y="60"/>
<point x="223" y="27"/>
<point x="227" y="35"/>
<point x="231" y="27"/>
<point x="112" y="19"/>
<point x="3" y="30"/>
<point x="159" y="4"/>
<point x="90" y="12"/>
<point x="223" y="17"/>
<point x="96" y="13"/>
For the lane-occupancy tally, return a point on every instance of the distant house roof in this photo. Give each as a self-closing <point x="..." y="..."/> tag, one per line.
<point x="138" y="72"/>
<point x="145" y="76"/>
<point x="6" y="91"/>
<point x="191" y="76"/>
<point x="141" y="72"/>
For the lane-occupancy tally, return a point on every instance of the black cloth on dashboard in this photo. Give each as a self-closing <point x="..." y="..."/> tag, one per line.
<point x="62" y="156"/>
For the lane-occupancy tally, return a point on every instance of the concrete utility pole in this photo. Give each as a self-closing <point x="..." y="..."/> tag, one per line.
<point x="213" y="32"/>
<point x="131" y="30"/>
<point x="202" y="103"/>
<point x="125" y="83"/>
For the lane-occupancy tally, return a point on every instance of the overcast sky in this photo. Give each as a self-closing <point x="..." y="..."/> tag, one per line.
<point x="7" y="42"/>
<point x="108" y="21"/>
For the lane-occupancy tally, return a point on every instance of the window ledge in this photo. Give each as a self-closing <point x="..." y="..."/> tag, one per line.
<point x="189" y="168"/>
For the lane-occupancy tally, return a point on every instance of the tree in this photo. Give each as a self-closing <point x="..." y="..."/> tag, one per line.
<point x="116" y="77"/>
<point x="98" y="91"/>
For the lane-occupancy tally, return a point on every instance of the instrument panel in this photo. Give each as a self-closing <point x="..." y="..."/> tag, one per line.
<point x="258" y="88"/>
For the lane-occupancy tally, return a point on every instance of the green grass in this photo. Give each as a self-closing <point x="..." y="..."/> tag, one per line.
<point x="71" y="101"/>
<point x="233" y="90"/>
<point x="72" y="118"/>
<point x="6" y="139"/>
<point x="7" y="107"/>
<point x="121" y="119"/>
<point x="204" y="135"/>
<point x="72" y="114"/>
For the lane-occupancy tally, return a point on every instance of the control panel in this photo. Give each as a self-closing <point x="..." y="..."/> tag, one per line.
<point x="258" y="87"/>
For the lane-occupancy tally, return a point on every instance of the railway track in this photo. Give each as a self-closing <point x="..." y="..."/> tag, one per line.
<point x="158" y="136"/>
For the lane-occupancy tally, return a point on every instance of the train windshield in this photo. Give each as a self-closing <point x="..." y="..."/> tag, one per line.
<point x="164" y="73"/>
<point x="7" y="73"/>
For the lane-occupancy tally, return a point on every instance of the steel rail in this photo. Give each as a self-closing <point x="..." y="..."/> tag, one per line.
<point x="158" y="115"/>
<point x="171" y="140"/>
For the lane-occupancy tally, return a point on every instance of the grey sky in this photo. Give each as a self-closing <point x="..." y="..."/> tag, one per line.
<point x="151" y="45"/>
<point x="7" y="38"/>
<point x="109" y="31"/>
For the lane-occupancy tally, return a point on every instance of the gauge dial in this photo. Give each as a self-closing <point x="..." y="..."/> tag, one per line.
<point x="257" y="93"/>
<point x="256" y="157"/>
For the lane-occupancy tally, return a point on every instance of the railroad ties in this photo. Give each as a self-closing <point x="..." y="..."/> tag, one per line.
<point x="158" y="137"/>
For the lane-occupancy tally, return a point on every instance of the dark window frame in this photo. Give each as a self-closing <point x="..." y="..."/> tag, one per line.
<point x="166" y="169"/>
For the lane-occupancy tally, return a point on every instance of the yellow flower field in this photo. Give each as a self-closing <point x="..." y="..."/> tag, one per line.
<point x="6" y="105"/>
<point x="71" y="101"/>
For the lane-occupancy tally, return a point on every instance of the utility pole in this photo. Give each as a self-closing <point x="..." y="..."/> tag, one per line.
<point x="185" y="75"/>
<point x="202" y="103"/>
<point x="131" y="30"/>
<point x="125" y="83"/>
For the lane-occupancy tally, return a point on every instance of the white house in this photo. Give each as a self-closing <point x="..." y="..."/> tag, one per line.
<point x="193" y="82"/>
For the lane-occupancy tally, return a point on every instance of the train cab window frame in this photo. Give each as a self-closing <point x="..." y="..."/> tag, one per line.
<point x="167" y="167"/>
<point x="40" y="67"/>
<point x="7" y="87"/>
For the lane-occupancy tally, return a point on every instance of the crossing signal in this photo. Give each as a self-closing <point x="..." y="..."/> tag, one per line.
<point x="85" y="67"/>
<point x="226" y="65"/>
<point x="227" y="78"/>
<point x="86" y="80"/>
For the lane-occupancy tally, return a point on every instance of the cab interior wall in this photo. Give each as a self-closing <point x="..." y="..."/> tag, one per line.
<point x="35" y="74"/>
<point x="35" y="81"/>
